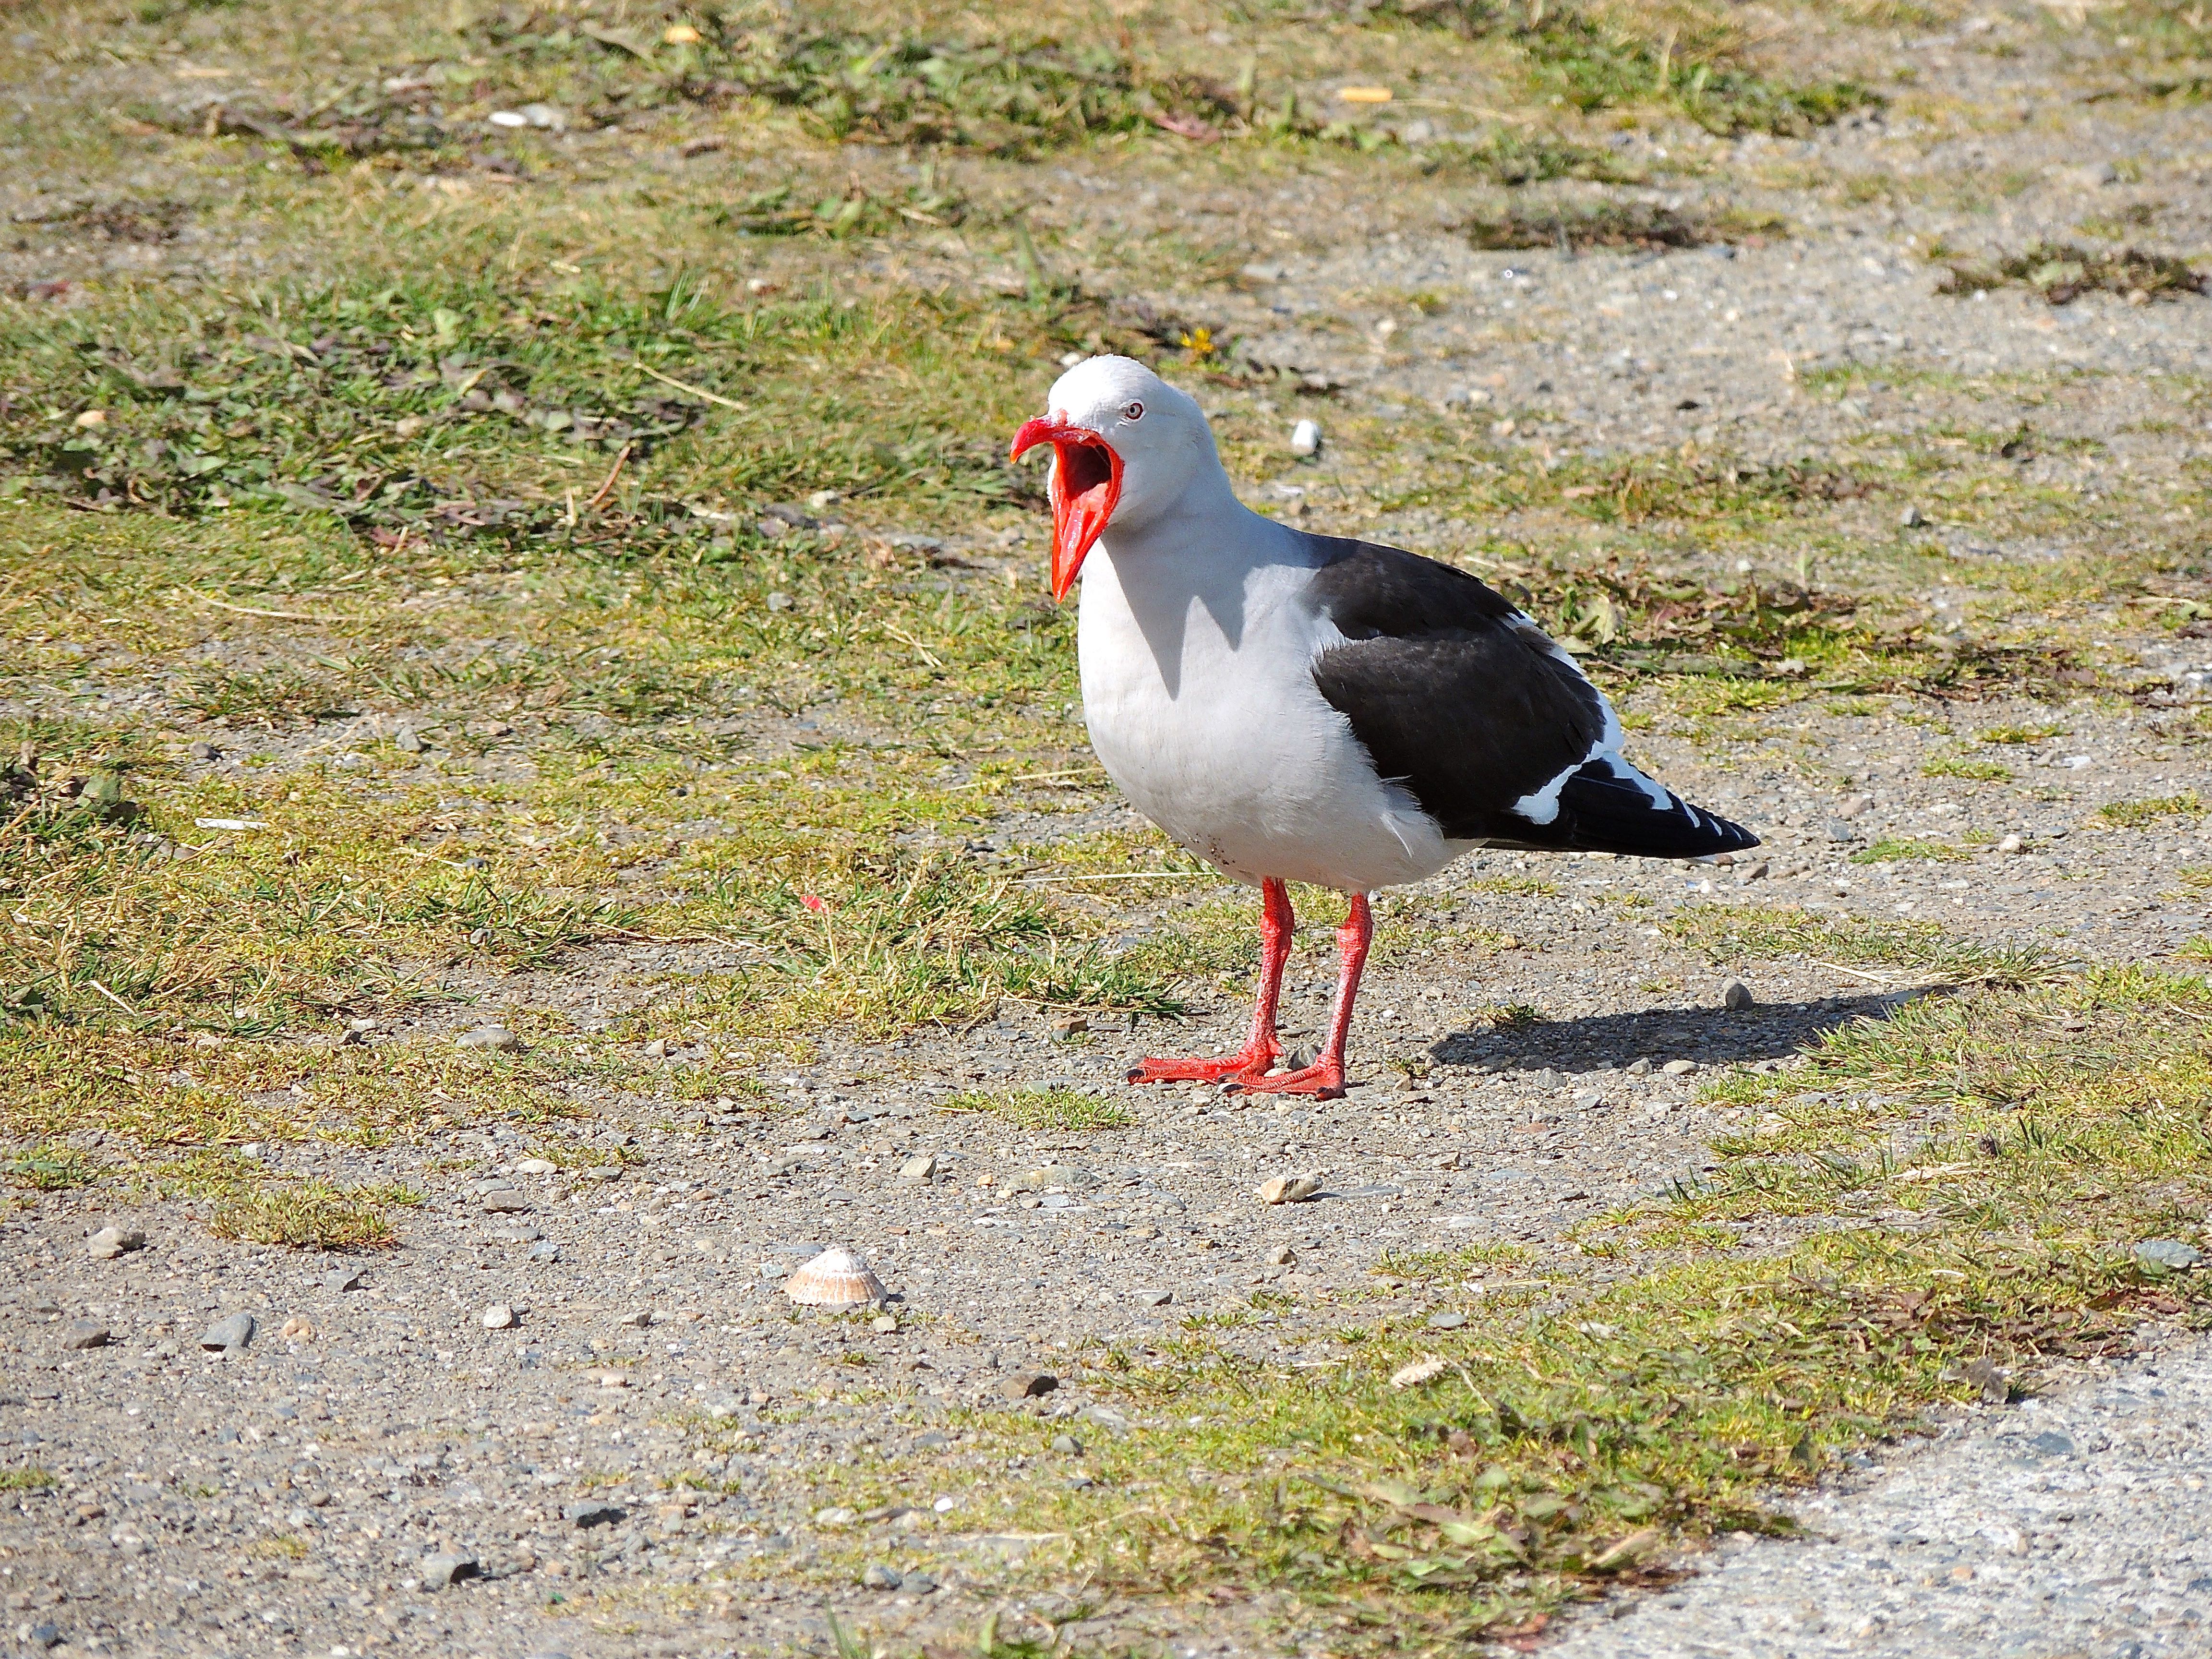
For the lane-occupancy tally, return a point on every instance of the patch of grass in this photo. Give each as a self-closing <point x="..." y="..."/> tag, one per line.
<point x="2061" y="273"/>
<point x="1919" y="948"/>
<point x="312" y="1215"/>
<point x="1042" y="1108"/>
<point x="1889" y="849"/>
<point x="29" y="1479"/>
<point x="50" y="1170"/>
<point x="2135" y="814"/>
<point x="2020" y="734"/>
<point x="1981" y="771"/>
<point x="1630" y="224"/>
<point x="1593" y="59"/>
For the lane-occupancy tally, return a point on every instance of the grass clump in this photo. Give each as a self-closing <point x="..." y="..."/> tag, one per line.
<point x="31" y="1478"/>
<point x="1888" y="850"/>
<point x="2135" y="814"/>
<point x="1920" y="948"/>
<point x="2061" y="273"/>
<point x="50" y="1170"/>
<point x="1619" y="224"/>
<point x="310" y="1215"/>
<point x="1980" y="771"/>
<point x="1042" y="1108"/>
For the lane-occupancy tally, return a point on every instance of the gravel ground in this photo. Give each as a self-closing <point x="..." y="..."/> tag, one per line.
<point x="305" y="1490"/>
<point x="2075" y="1525"/>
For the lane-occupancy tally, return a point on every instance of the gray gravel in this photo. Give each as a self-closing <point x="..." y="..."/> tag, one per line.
<point x="2074" y="1525"/>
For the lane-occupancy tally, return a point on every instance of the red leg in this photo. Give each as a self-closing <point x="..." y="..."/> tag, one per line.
<point x="1324" y="1078"/>
<point x="1260" y="1050"/>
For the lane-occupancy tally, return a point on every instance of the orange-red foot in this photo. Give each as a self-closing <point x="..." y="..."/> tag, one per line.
<point x="1243" y="1065"/>
<point x="1324" y="1081"/>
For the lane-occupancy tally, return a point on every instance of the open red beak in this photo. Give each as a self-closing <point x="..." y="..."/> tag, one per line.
<point x="1086" y="483"/>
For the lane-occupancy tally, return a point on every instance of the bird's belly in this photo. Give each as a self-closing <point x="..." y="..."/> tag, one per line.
<point x="1261" y="786"/>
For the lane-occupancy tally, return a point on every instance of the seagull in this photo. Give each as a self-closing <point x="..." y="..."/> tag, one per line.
<point x="1290" y="707"/>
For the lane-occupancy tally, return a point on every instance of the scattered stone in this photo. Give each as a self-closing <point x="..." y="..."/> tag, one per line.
<point x="111" y="1242"/>
<point x="443" y="1572"/>
<point x="1747" y="873"/>
<point x="2012" y="844"/>
<point x="1446" y="1322"/>
<point x="500" y="1317"/>
<point x="593" y="1512"/>
<point x="884" y="1324"/>
<point x="1736" y="996"/>
<point x="545" y="1252"/>
<point x="835" y="1515"/>
<point x="918" y="1169"/>
<point x="2167" y="1255"/>
<point x="85" y="1333"/>
<point x="1837" y="830"/>
<point x="1281" y="1256"/>
<point x="505" y="1201"/>
<point x="637" y="1317"/>
<point x="1066" y="1176"/>
<point x="1678" y="1068"/>
<point x="537" y="1166"/>
<point x="920" y="1583"/>
<point x="230" y="1334"/>
<point x="1067" y="1445"/>
<point x="1639" y="1066"/>
<point x="1305" y="439"/>
<point x="1154" y="1298"/>
<point x="342" y="1280"/>
<point x="47" y="1635"/>
<point x="514" y="1233"/>
<point x="1853" y="806"/>
<point x="1023" y="1385"/>
<point x="497" y="1038"/>
<point x="878" y="1577"/>
<point x="1289" y="1189"/>
<point x="1989" y="1379"/>
<point x="295" y="1329"/>
<point x="406" y="739"/>
<point x="1911" y="519"/>
<point x="201" y="749"/>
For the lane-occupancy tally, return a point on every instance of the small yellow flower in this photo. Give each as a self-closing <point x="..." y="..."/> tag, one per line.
<point x="681" y="35"/>
<point x="1199" y="342"/>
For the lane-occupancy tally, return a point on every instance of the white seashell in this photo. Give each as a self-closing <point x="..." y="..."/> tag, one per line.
<point x="838" y="1278"/>
<point x="1421" y="1371"/>
<point x="1289" y="1189"/>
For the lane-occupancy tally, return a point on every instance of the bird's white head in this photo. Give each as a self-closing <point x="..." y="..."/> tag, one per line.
<point x="1125" y="445"/>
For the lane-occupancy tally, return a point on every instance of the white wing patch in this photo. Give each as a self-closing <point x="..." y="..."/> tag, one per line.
<point x="1542" y="805"/>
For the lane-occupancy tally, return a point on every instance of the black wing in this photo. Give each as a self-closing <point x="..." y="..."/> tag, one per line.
<point x="1460" y="697"/>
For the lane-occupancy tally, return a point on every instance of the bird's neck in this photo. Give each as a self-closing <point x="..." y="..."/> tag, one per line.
<point x="1205" y="526"/>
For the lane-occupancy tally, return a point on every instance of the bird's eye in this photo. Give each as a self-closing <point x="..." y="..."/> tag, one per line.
<point x="1132" y="411"/>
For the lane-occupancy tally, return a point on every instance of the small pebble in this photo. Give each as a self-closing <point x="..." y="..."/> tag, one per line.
<point x="111" y="1242"/>
<point x="231" y="1334"/>
<point x="500" y="1317"/>
<point x="2012" y="844"/>
<point x="918" y="1169"/>
<point x="536" y="1166"/>
<point x="878" y="1577"/>
<point x="85" y="1333"/>
<point x="1735" y="995"/>
<point x="1281" y="1256"/>
<point x="1067" y="1445"/>
<point x="505" y="1201"/>
<point x="443" y="1572"/>
<point x="638" y="1317"/>
<point x="1305" y="437"/>
<point x="1023" y="1385"/>
<point x="593" y="1512"/>
<point x="497" y="1038"/>
<point x="1678" y="1068"/>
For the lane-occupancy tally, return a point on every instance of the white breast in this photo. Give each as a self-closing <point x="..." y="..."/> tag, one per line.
<point x="1198" y="688"/>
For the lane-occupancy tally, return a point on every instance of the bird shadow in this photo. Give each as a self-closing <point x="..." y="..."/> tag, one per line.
<point x="1710" y="1037"/>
